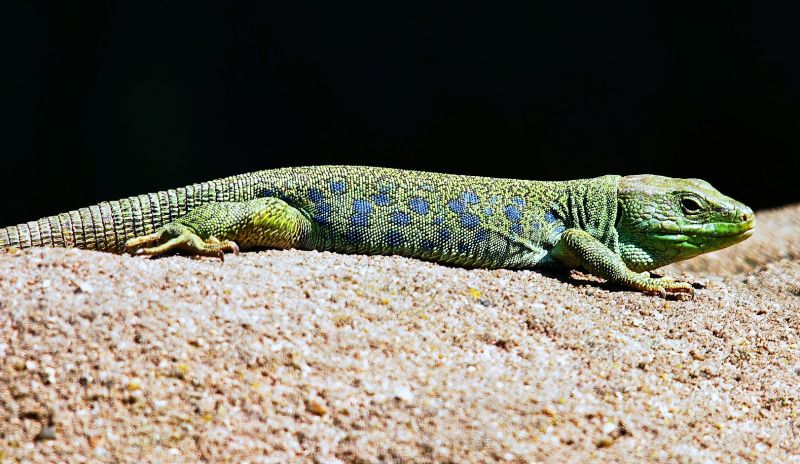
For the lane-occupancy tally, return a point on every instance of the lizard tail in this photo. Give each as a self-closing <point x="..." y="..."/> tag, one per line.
<point x="104" y="227"/>
<point x="108" y="225"/>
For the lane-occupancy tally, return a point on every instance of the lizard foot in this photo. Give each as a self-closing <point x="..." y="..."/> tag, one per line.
<point x="669" y="288"/>
<point x="178" y="237"/>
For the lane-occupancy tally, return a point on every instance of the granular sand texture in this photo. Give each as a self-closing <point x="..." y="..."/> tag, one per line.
<point x="290" y="356"/>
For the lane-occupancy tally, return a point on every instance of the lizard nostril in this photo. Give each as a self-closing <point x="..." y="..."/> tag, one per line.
<point x="746" y="214"/>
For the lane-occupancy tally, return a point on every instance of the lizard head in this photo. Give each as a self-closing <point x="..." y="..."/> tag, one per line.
<point x="661" y="220"/>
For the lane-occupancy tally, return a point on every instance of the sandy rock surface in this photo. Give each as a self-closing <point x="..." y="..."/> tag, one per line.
<point x="289" y="356"/>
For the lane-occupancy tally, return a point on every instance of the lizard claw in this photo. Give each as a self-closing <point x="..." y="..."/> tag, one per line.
<point x="223" y="246"/>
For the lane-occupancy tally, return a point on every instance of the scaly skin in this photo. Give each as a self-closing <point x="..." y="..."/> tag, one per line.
<point x="614" y="227"/>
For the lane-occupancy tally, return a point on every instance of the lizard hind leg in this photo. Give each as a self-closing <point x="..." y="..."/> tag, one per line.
<point x="273" y="223"/>
<point x="214" y="228"/>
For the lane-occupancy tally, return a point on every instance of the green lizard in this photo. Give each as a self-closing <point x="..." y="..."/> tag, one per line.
<point x="612" y="226"/>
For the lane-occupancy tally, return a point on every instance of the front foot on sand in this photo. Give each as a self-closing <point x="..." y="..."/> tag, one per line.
<point x="667" y="287"/>
<point x="578" y="248"/>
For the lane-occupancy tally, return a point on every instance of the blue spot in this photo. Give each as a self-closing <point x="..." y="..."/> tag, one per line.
<point x="324" y="210"/>
<point x="470" y="221"/>
<point x="463" y="248"/>
<point x="536" y="225"/>
<point x="518" y="200"/>
<point x="337" y="186"/>
<point x="354" y="236"/>
<point x="401" y="218"/>
<point x="418" y="205"/>
<point x="324" y="207"/>
<point x="516" y="228"/>
<point x="444" y="235"/>
<point x="482" y="235"/>
<point x="438" y="220"/>
<point x="268" y="193"/>
<point x="427" y="245"/>
<point x="384" y="189"/>
<point x="457" y="206"/>
<point x="315" y="195"/>
<point x="427" y="187"/>
<point x="394" y="238"/>
<point x="560" y="229"/>
<point x="488" y="211"/>
<point x="362" y="207"/>
<point x="470" y="198"/>
<point x="548" y="216"/>
<point x="495" y="198"/>
<point x="359" y="219"/>
<point x="381" y="199"/>
<point x="512" y="213"/>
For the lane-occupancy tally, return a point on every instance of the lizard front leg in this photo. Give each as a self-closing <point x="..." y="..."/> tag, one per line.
<point x="578" y="248"/>
<point x="214" y="228"/>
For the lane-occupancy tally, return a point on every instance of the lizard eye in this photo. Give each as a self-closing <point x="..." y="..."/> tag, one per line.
<point x="690" y="205"/>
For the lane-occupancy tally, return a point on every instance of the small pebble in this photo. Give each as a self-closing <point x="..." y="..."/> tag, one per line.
<point x="32" y="414"/>
<point x="316" y="407"/>
<point x="47" y="433"/>
<point x="605" y="442"/>
<point x="697" y="355"/>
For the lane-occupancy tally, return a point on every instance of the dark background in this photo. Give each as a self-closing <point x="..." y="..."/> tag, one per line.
<point x="101" y="102"/>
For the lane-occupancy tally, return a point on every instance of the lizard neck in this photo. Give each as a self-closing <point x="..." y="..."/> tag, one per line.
<point x="591" y="205"/>
<point x="553" y="207"/>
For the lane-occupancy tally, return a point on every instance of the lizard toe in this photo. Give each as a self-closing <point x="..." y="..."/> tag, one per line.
<point x="135" y="244"/>
<point x="680" y="290"/>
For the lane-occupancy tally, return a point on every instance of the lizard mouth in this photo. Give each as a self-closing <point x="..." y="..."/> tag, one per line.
<point x="717" y="232"/>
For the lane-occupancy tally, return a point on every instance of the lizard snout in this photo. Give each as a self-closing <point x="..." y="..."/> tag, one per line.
<point x="746" y="215"/>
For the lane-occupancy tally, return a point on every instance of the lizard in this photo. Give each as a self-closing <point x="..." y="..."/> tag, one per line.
<point x="614" y="227"/>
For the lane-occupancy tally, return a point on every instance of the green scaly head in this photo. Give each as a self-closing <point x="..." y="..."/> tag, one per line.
<point x="661" y="220"/>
